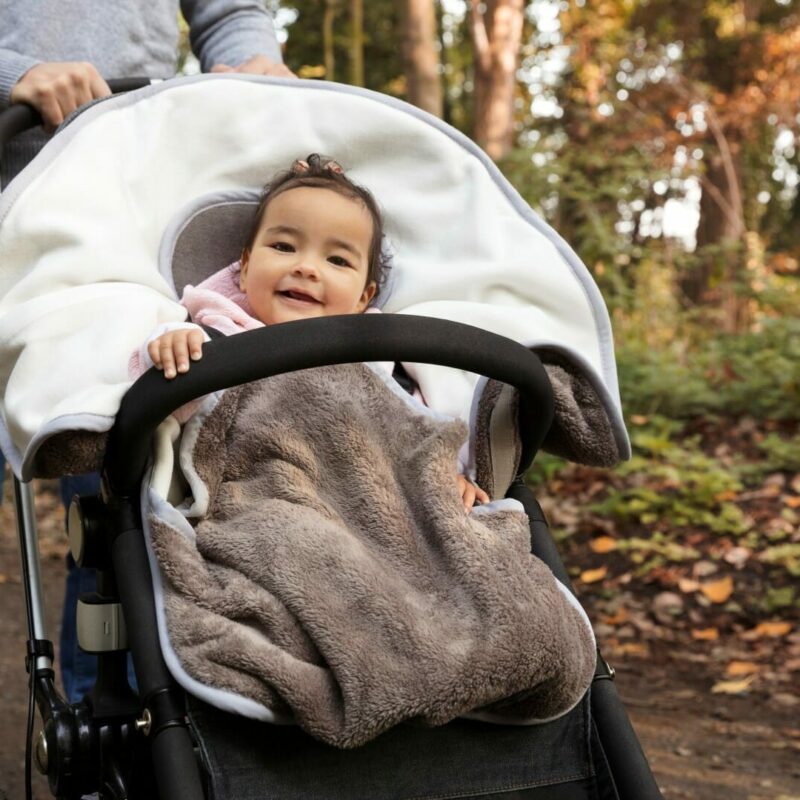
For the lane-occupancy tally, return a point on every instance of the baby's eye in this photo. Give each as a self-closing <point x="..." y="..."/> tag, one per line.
<point x="282" y="247"/>
<point x="339" y="261"/>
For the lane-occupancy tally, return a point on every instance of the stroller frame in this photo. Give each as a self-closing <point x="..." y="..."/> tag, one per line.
<point x="110" y="721"/>
<point x="127" y="746"/>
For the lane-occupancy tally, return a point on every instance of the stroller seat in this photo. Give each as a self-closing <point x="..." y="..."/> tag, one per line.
<point x="470" y="759"/>
<point x="171" y="172"/>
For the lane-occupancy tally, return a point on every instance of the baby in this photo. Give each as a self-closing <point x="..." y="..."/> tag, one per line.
<point x="314" y="250"/>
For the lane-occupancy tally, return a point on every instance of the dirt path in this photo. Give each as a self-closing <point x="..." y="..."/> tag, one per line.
<point x="702" y="746"/>
<point x="13" y="634"/>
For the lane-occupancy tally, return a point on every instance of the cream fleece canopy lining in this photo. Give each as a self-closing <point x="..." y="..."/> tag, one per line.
<point x="81" y="229"/>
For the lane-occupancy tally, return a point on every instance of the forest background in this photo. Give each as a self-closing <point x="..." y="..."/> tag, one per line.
<point x="660" y="139"/>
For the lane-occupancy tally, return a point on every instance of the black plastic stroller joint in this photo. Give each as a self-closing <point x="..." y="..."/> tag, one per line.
<point x="86" y="529"/>
<point x="93" y="744"/>
<point x="82" y="747"/>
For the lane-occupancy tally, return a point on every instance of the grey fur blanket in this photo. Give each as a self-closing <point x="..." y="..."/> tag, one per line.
<point x="335" y="577"/>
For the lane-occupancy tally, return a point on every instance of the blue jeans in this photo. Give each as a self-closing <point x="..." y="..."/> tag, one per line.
<point x="78" y="669"/>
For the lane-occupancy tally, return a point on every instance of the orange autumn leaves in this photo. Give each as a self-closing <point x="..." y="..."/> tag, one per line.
<point x="715" y="591"/>
<point x="600" y="544"/>
<point x="718" y="590"/>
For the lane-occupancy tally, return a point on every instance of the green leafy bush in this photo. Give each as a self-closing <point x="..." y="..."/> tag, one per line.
<point x="781" y="455"/>
<point x="669" y="485"/>
<point x="755" y="373"/>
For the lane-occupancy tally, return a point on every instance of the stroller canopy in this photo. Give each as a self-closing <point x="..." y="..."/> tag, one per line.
<point x="143" y="192"/>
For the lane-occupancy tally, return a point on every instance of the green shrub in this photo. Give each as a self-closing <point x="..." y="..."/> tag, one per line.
<point x="755" y="373"/>
<point x="781" y="455"/>
<point x="669" y="485"/>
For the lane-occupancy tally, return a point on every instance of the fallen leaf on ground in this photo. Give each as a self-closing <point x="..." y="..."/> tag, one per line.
<point x="603" y="544"/>
<point x="617" y="618"/>
<point x="593" y="575"/>
<point x="738" y="556"/>
<point x="785" y="699"/>
<point x="718" y="591"/>
<point x="773" y="630"/>
<point x="632" y="649"/>
<point x="732" y="687"/>
<point x="688" y="585"/>
<point x="705" y="634"/>
<point x="667" y="606"/>
<point x="776" y="479"/>
<point x="737" y="668"/>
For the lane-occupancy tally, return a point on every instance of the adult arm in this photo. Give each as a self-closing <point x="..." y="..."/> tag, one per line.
<point x="237" y="34"/>
<point x="12" y="67"/>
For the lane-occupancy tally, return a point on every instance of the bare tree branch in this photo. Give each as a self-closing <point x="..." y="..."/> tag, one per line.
<point x="480" y="37"/>
<point x="734" y="210"/>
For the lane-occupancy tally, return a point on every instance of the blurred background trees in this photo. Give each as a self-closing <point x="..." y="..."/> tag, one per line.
<point x="659" y="138"/>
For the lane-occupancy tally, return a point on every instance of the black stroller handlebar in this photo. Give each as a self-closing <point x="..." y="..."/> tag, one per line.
<point x="291" y="346"/>
<point x="19" y="117"/>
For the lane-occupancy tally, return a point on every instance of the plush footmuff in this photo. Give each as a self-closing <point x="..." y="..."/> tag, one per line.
<point x="331" y="574"/>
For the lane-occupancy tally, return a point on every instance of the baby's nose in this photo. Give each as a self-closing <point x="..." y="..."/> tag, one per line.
<point x="309" y="268"/>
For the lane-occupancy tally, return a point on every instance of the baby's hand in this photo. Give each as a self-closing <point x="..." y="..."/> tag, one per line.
<point x="470" y="492"/>
<point x="171" y="351"/>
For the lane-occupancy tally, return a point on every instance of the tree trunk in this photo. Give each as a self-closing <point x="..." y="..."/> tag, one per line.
<point x="496" y="37"/>
<point x="721" y="227"/>
<point x="720" y="220"/>
<point x="357" y="42"/>
<point x="420" y="57"/>
<point x="331" y="8"/>
<point x="447" y="106"/>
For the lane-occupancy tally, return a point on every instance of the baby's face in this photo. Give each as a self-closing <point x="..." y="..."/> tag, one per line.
<point x="309" y="258"/>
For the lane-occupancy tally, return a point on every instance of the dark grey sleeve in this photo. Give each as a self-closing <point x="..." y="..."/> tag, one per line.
<point x="230" y="31"/>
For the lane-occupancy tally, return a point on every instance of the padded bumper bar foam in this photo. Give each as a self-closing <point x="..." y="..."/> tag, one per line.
<point x="322" y="342"/>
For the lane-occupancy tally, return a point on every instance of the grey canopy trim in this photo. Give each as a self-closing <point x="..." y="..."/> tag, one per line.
<point x="192" y="249"/>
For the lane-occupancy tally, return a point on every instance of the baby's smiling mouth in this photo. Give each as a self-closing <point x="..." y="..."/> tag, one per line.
<point x="298" y="295"/>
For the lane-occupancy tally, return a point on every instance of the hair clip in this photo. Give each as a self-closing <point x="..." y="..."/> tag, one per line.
<point x="300" y="166"/>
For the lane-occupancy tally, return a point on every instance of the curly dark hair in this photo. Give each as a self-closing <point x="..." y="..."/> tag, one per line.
<point x="324" y="173"/>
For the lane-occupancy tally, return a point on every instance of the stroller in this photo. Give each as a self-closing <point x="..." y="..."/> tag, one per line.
<point x="99" y="235"/>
